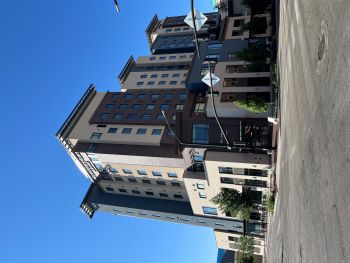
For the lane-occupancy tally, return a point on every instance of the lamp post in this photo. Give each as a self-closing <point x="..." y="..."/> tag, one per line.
<point x="117" y="6"/>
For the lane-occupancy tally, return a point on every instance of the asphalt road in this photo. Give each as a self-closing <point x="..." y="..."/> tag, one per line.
<point x="312" y="212"/>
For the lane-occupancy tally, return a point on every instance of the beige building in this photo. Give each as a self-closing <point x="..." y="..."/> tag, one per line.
<point x="227" y="240"/>
<point x="239" y="171"/>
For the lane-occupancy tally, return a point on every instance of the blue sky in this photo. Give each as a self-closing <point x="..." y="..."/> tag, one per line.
<point x="50" y="51"/>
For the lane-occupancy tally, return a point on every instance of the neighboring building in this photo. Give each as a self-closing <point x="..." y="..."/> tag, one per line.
<point x="167" y="71"/>
<point x="236" y="80"/>
<point x="227" y="240"/>
<point x="173" y="35"/>
<point x="225" y="256"/>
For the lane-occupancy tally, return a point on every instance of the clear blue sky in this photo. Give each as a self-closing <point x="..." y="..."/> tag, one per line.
<point x="50" y="51"/>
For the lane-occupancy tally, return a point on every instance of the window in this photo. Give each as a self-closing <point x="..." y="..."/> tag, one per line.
<point x="202" y="195"/>
<point x="149" y="106"/>
<point x="173" y="82"/>
<point x="112" y="130"/>
<point x="160" y="182"/>
<point x="119" y="179"/>
<point x="110" y="189"/>
<point x="96" y="136"/>
<point x="200" y="133"/>
<point x="118" y="116"/>
<point x="150" y="83"/>
<point x="179" y="106"/>
<point x="238" y="23"/>
<point x="136" y="192"/>
<point x="177" y="29"/>
<point x="141" y="131"/>
<point x="172" y="57"/>
<point x="157" y="131"/>
<point x="127" y="171"/>
<point x="145" y="181"/>
<point x="132" y="116"/>
<point x="199" y="107"/>
<point x="200" y="186"/>
<point x="232" y="68"/>
<point x="116" y="97"/>
<point x="136" y="106"/>
<point x="173" y="117"/>
<point x="168" y="30"/>
<point x="154" y="96"/>
<point x="110" y="106"/>
<point x="168" y="96"/>
<point x="202" y="221"/>
<point x="214" y="45"/>
<point x="225" y="170"/>
<point x="176" y="75"/>
<point x="146" y="116"/>
<point x="156" y="173"/>
<point x="132" y="180"/>
<point x="232" y="56"/>
<point x="182" y="96"/>
<point x="164" y="106"/>
<point x="176" y="184"/>
<point x="165" y="75"/>
<point x="141" y="172"/>
<point x="209" y="210"/>
<point x="179" y="197"/>
<point x="128" y="96"/>
<point x="163" y="195"/>
<point x="149" y="193"/>
<point x="123" y="106"/>
<point x="236" y="33"/>
<point x="162" y="58"/>
<point x="92" y="148"/>
<point x="104" y="116"/>
<point x="141" y="96"/>
<point x="161" y="82"/>
<point x="182" y="56"/>
<point x="139" y="83"/>
<point x="170" y="174"/>
<point x="127" y="131"/>
<point x="143" y="76"/>
<point x="153" y="76"/>
<point x="159" y="117"/>
<point x="213" y="56"/>
<point x="122" y="190"/>
<point x="152" y="58"/>
<point x="229" y="82"/>
<point x="226" y="180"/>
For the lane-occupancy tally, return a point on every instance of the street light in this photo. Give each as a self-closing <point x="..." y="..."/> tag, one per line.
<point x="117" y="6"/>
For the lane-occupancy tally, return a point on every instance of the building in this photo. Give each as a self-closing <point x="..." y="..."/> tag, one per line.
<point x="155" y="150"/>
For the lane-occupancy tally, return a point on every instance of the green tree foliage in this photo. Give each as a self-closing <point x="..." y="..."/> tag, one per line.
<point x="233" y="202"/>
<point x="245" y="259"/>
<point x="270" y="203"/>
<point x="256" y="104"/>
<point x="256" y="55"/>
<point x="245" y="245"/>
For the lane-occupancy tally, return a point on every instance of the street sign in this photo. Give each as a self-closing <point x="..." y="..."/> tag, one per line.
<point x="199" y="18"/>
<point x="206" y="79"/>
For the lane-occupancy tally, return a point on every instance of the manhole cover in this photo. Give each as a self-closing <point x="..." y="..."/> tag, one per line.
<point x="322" y="48"/>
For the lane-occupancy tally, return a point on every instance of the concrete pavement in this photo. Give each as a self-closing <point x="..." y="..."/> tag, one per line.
<point x="312" y="210"/>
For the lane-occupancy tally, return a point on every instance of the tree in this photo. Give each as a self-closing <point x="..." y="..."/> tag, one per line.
<point x="256" y="104"/>
<point x="233" y="202"/>
<point x="246" y="260"/>
<point x="270" y="203"/>
<point x="245" y="245"/>
<point x="221" y="6"/>
<point x="256" y="55"/>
